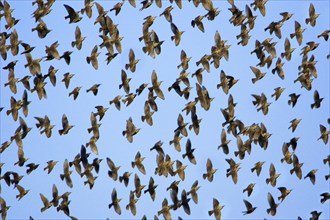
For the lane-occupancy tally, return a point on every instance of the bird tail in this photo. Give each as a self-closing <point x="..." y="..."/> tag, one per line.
<point x="124" y="133"/>
<point x="236" y="153"/>
<point x="8" y="112"/>
<point x="88" y="59"/>
<point x="73" y="43"/>
<point x="120" y="179"/>
<point x="133" y="164"/>
<point x="204" y="176"/>
<point x="60" y="131"/>
<point x="253" y="169"/>
<point x="291" y="171"/>
<point x="282" y="55"/>
<point x="292" y="35"/>
<point x="307" y="20"/>
<point x="218" y="86"/>
<point x="282" y="160"/>
<point x="254" y="80"/>
<point x="62" y="176"/>
<point x="126" y="66"/>
<point x="210" y="212"/>
<point x="312" y="105"/>
<point x="267" y="180"/>
<point x="193" y="23"/>
<point x="110" y="205"/>
<point x="89" y="130"/>
<point x="172" y="38"/>
<point x="143" y="117"/>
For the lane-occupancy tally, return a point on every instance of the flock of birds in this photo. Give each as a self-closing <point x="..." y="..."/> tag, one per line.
<point x="246" y="136"/>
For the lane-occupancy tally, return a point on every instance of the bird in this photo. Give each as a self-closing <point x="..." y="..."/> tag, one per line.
<point x="294" y="123"/>
<point x="50" y="166"/>
<point x="249" y="189"/>
<point x="165" y="210"/>
<point x="78" y="39"/>
<point x="317" y="100"/>
<point x="176" y="141"/>
<point x="167" y="13"/>
<point x="93" y="58"/>
<point x="132" y="61"/>
<point x="125" y="178"/>
<point x="66" y="126"/>
<point x="73" y="15"/>
<point x="293" y="99"/>
<point x="184" y="60"/>
<point x="138" y="162"/>
<point x="298" y="32"/>
<point x="296" y="167"/>
<point x="209" y="171"/>
<point x="258" y="74"/>
<point x="156" y="85"/>
<point x="22" y="192"/>
<point x="94" y="89"/>
<point x="75" y="92"/>
<point x="101" y="110"/>
<point x="113" y="172"/>
<point x="273" y="206"/>
<point x="66" y="79"/>
<point x="272" y="175"/>
<point x="67" y="57"/>
<point x="324" y="134"/>
<point x="180" y="169"/>
<point x="325" y="35"/>
<point x="284" y="193"/>
<point x="147" y="114"/>
<point x="46" y="203"/>
<point x="278" y="92"/>
<point x="311" y="175"/>
<point x="177" y="34"/>
<point x="189" y="152"/>
<point x="151" y="189"/>
<point x="216" y="211"/>
<point x="131" y="205"/>
<point x="66" y="174"/>
<point x="31" y="167"/>
<point x="115" y="202"/>
<point x="116" y="101"/>
<point x="287" y="50"/>
<point x="193" y="191"/>
<point x="249" y="207"/>
<point x="198" y="23"/>
<point x="312" y="16"/>
<point x="325" y="197"/>
<point x="131" y="130"/>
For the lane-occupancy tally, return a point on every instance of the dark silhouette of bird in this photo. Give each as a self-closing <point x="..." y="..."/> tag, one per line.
<point x="249" y="207"/>
<point x="115" y="202"/>
<point x="73" y="15"/>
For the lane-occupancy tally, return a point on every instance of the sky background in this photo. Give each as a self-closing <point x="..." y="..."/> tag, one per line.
<point x="93" y="204"/>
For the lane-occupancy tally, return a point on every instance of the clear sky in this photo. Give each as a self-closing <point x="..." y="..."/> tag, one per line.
<point x="93" y="204"/>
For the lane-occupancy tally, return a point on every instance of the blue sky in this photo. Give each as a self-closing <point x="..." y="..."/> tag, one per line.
<point x="93" y="204"/>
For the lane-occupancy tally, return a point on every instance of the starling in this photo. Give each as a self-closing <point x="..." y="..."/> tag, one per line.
<point x="216" y="209"/>
<point x="249" y="207"/>
<point x="209" y="171"/>
<point x="115" y="202"/>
